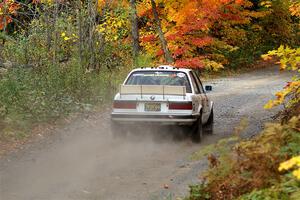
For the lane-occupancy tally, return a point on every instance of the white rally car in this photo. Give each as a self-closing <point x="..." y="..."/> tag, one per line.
<point x="164" y="95"/>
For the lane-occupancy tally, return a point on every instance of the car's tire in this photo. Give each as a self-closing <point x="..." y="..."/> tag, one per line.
<point x="197" y="132"/>
<point x="117" y="130"/>
<point x="209" y="126"/>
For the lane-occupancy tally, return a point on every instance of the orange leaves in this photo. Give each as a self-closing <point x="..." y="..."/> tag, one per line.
<point x="201" y="42"/>
<point x="4" y="21"/>
<point x="160" y="52"/>
<point x="148" y="38"/>
<point x="187" y="10"/>
<point x="101" y="4"/>
<point x="196" y="62"/>
<point x="190" y="27"/>
<point x="144" y="9"/>
<point x="8" y="8"/>
<point x="172" y="36"/>
<point x="180" y="51"/>
<point x="240" y="2"/>
<point x="295" y="9"/>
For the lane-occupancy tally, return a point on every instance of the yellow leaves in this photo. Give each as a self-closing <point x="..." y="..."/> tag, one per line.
<point x="143" y="7"/>
<point x="270" y="104"/>
<point x="296" y="173"/>
<point x="289" y="60"/>
<point x="66" y="37"/>
<point x="120" y="23"/>
<point x="255" y="14"/>
<point x="293" y="163"/>
<point x="280" y="96"/>
<point x="289" y="164"/>
<point x="266" y="4"/>
<point x="291" y="88"/>
<point x="256" y="27"/>
<point x="266" y="57"/>
<point x="101" y="4"/>
<point x="113" y="27"/>
<point x="101" y="29"/>
<point x="212" y="65"/>
<point x="48" y="2"/>
<point x="295" y="9"/>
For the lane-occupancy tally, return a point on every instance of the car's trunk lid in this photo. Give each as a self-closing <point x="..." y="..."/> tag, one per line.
<point x="153" y="99"/>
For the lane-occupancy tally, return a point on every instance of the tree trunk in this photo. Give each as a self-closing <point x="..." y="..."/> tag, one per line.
<point x="49" y="29"/>
<point x="163" y="41"/>
<point x="92" y="6"/>
<point x="80" y="42"/>
<point x="55" y="55"/>
<point x="134" y="29"/>
<point x="2" y="48"/>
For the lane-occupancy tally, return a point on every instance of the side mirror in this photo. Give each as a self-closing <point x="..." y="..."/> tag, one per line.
<point x="208" y="88"/>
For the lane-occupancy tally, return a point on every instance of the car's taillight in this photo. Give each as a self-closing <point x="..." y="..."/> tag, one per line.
<point x="124" y="104"/>
<point x="181" y="106"/>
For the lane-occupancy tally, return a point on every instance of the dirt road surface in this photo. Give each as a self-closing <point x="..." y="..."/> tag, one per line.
<point x="83" y="162"/>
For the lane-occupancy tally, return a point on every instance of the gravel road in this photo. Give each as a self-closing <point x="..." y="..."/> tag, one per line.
<point x="82" y="162"/>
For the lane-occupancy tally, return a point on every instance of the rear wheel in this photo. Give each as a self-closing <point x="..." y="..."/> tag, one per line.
<point x="197" y="130"/>
<point x="209" y="126"/>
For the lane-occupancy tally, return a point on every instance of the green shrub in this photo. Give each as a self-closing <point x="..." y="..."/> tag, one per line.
<point x="48" y="76"/>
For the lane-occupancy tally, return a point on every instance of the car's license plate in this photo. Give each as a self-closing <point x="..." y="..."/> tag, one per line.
<point x="153" y="107"/>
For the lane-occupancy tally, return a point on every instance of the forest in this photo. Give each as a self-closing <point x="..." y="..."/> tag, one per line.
<point x="60" y="57"/>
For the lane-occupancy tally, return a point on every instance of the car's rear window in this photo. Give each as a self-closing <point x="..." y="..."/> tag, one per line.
<point x="159" y="78"/>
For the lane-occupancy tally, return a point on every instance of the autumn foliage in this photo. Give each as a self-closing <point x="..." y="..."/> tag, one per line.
<point x="8" y="8"/>
<point x="63" y="56"/>
<point x="207" y="34"/>
<point x="188" y="28"/>
<point x="68" y="47"/>
<point x="251" y="169"/>
<point x="267" y="165"/>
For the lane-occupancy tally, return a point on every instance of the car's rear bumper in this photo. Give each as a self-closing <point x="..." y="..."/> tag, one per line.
<point x="160" y="119"/>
